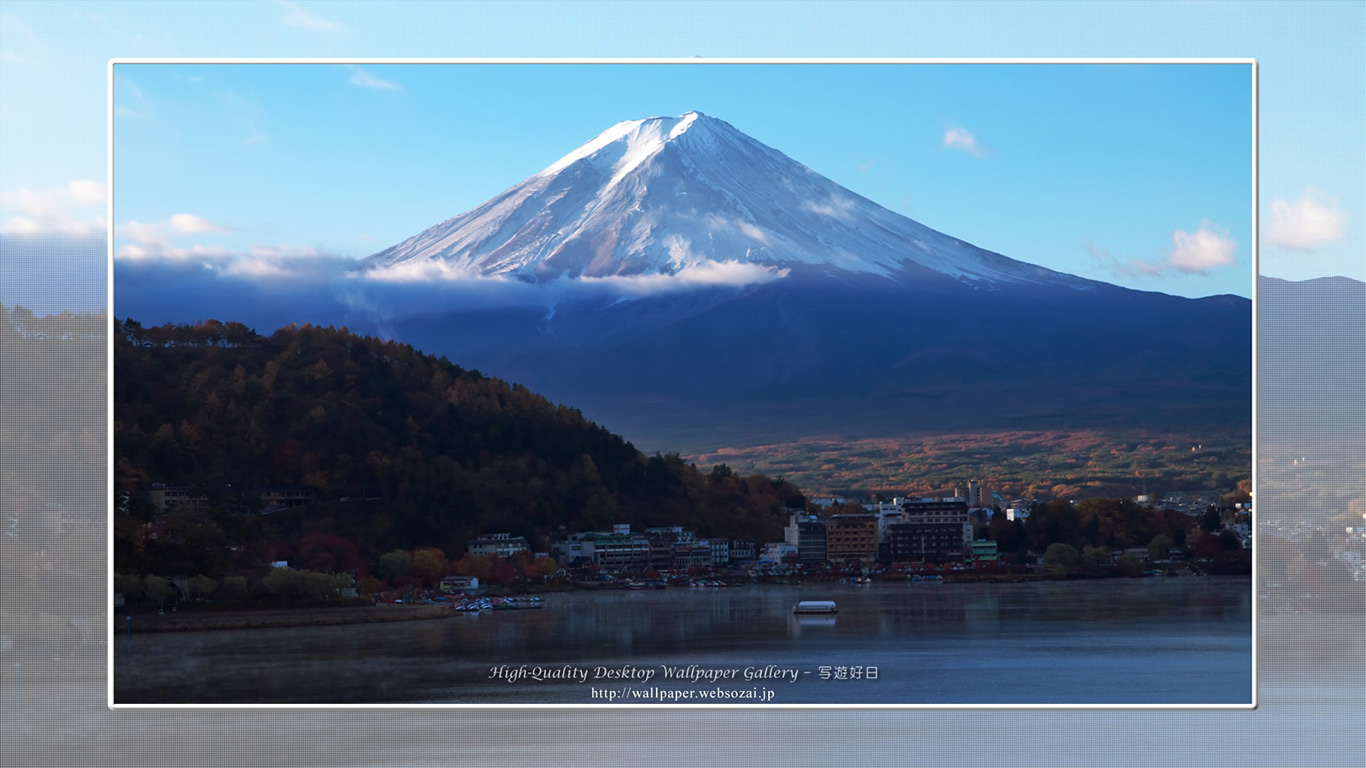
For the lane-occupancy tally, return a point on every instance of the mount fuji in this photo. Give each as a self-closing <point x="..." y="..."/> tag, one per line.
<point x="664" y="195"/>
<point x="709" y="290"/>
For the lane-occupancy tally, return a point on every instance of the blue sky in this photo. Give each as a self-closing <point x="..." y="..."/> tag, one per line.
<point x="1052" y="182"/>
<point x="1136" y="174"/>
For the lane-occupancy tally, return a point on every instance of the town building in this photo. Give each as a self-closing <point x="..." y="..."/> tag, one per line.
<point x="619" y="550"/>
<point x="984" y="551"/>
<point x="574" y="550"/>
<point x="778" y="552"/>
<point x="807" y="534"/>
<point x="720" y="550"/>
<point x="695" y="555"/>
<point x="743" y="551"/>
<point x="662" y="541"/>
<point x="925" y="542"/>
<point x="459" y="583"/>
<point x="165" y="497"/>
<point x="497" y="545"/>
<point x="931" y="529"/>
<point x="277" y="497"/>
<point x="851" y="540"/>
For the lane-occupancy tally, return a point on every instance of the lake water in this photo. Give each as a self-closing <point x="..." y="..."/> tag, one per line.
<point x="1115" y="641"/>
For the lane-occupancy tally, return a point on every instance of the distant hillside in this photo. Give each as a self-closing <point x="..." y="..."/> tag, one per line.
<point x="441" y="453"/>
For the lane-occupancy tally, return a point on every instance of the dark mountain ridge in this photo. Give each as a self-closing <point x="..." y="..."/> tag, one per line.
<point x="868" y="357"/>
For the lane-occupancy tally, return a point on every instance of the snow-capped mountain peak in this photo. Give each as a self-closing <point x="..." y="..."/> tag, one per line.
<point x="626" y="145"/>
<point x="663" y="194"/>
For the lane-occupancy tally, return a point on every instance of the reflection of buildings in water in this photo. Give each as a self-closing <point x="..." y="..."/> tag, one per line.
<point x="923" y="609"/>
<point x="625" y="639"/>
<point x="722" y="612"/>
<point x="982" y="609"/>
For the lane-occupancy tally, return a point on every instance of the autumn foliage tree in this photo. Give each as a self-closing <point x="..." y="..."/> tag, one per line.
<point x="471" y="564"/>
<point x="428" y="565"/>
<point x="327" y="553"/>
<point x="394" y="565"/>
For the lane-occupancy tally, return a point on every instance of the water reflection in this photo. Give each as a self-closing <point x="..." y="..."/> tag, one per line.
<point x="1013" y="643"/>
<point x="808" y="622"/>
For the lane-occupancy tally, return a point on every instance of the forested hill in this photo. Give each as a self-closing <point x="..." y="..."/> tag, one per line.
<point x="438" y="453"/>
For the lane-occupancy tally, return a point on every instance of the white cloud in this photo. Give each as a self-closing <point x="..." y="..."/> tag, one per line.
<point x="1196" y="252"/>
<point x="207" y="255"/>
<point x="259" y="263"/>
<point x="1307" y="223"/>
<point x="697" y="275"/>
<point x="365" y="79"/>
<point x="721" y="224"/>
<point x="20" y="225"/>
<point x="257" y="269"/>
<point x="144" y="233"/>
<point x="157" y="235"/>
<point x="69" y="210"/>
<point x="752" y="232"/>
<point x="27" y="227"/>
<point x="1202" y="250"/>
<point x="434" y="271"/>
<point x="87" y="192"/>
<point x="703" y="274"/>
<point x="190" y="224"/>
<point x="959" y="138"/>
<point x="287" y="252"/>
<point x="41" y="205"/>
<point x="838" y="207"/>
<point x="298" y="17"/>
<point x="132" y="252"/>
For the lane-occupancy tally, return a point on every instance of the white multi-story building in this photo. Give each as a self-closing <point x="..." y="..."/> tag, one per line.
<point x="777" y="551"/>
<point x="720" y="550"/>
<point x="498" y="544"/>
<point x="618" y="550"/>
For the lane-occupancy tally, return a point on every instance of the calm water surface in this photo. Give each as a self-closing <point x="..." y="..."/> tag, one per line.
<point x="1148" y="641"/>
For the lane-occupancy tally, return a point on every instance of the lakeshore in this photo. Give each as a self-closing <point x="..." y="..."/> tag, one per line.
<point x="276" y="618"/>
<point x="271" y="618"/>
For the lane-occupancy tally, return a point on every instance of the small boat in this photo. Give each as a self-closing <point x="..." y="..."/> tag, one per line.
<point x="815" y="606"/>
